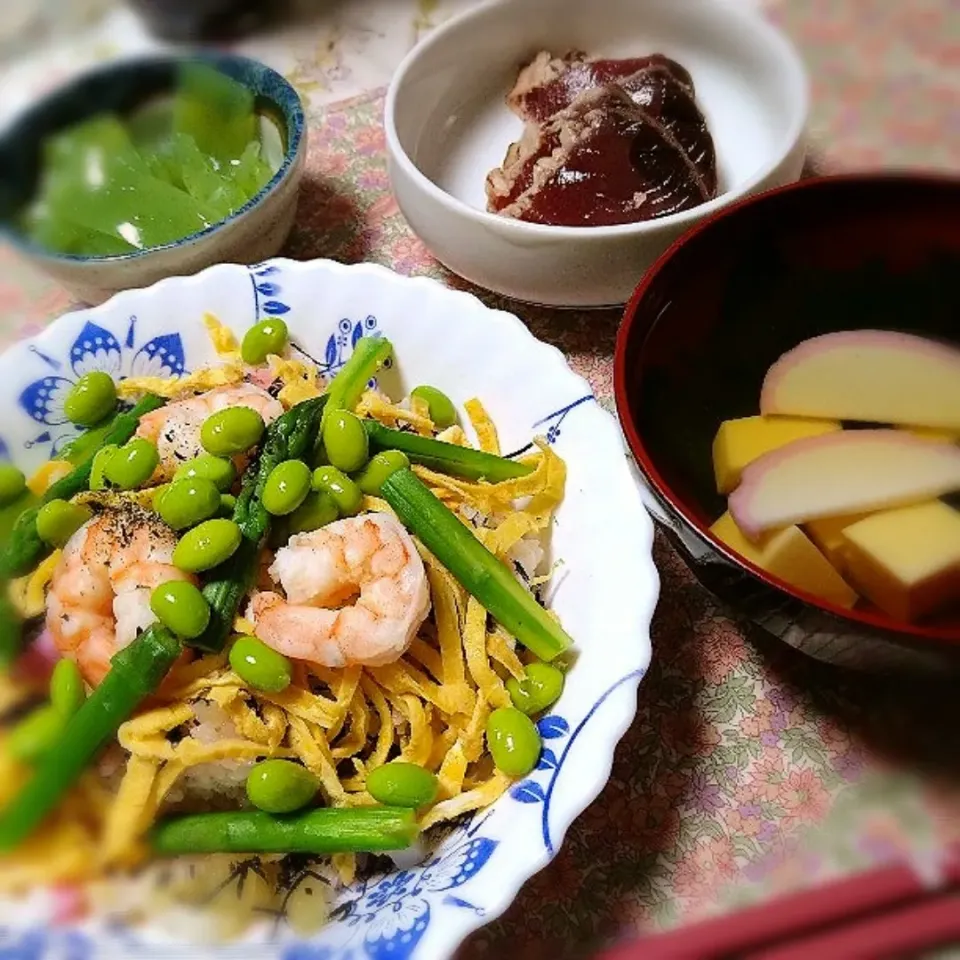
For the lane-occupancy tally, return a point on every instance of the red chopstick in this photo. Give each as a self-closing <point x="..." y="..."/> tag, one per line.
<point x="923" y="926"/>
<point x="798" y="915"/>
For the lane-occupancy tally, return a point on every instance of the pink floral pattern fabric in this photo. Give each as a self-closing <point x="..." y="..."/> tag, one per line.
<point x="750" y="769"/>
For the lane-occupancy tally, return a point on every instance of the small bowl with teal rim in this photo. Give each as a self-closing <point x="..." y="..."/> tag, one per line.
<point x="212" y="147"/>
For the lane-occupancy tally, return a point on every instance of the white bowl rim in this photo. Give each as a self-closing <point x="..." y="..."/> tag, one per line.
<point x="750" y="20"/>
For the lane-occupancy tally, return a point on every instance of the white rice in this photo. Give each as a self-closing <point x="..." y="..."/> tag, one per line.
<point x="221" y="783"/>
<point x="528" y="554"/>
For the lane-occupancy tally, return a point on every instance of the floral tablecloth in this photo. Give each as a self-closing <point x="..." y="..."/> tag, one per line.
<point x="749" y="769"/>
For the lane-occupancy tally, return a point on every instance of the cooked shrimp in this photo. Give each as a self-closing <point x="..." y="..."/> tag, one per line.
<point x="175" y="428"/>
<point x="356" y="593"/>
<point x="99" y="597"/>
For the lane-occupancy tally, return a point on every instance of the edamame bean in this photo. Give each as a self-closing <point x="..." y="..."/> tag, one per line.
<point x="36" y="733"/>
<point x="67" y="692"/>
<point x="218" y="470"/>
<point x="228" y="503"/>
<point x="513" y="741"/>
<point x="345" y="493"/>
<point x="59" y="520"/>
<point x="259" y="665"/>
<point x="188" y="502"/>
<point x="207" y="546"/>
<point x="400" y="784"/>
<point x="287" y="486"/>
<point x="12" y="483"/>
<point x="231" y="431"/>
<point x="180" y="606"/>
<point x="262" y="339"/>
<point x="381" y="466"/>
<point x="91" y="398"/>
<point x="441" y="409"/>
<point x="345" y="440"/>
<point x="539" y="689"/>
<point x="132" y="465"/>
<point x="280" y="786"/>
<point x="315" y="512"/>
<point x="318" y="456"/>
<point x="158" y="493"/>
<point x="101" y="458"/>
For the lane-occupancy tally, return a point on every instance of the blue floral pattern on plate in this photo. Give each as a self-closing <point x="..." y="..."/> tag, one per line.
<point x="386" y="917"/>
<point x="41" y="944"/>
<point x="94" y="348"/>
<point x="553" y="729"/>
<point x="553" y="421"/>
<point x="266" y="290"/>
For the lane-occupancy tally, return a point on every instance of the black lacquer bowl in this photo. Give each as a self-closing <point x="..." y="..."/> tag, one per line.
<point x="721" y="305"/>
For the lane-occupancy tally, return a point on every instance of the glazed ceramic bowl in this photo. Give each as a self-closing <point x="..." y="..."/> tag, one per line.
<point x="447" y="126"/>
<point x="252" y="234"/>
<point x="605" y="591"/>
<point x="720" y="307"/>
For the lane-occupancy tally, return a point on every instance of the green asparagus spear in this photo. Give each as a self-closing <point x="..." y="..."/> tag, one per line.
<point x="24" y="548"/>
<point x="224" y="592"/>
<point x="289" y="436"/>
<point x="345" y="388"/>
<point x="11" y="513"/>
<point x="326" y="830"/>
<point x="124" y="427"/>
<point x="483" y="575"/>
<point x="88" y="443"/>
<point x="11" y="631"/>
<point x="446" y="457"/>
<point x="136" y="671"/>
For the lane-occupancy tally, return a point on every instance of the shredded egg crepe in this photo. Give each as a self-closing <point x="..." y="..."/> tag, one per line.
<point x="190" y="745"/>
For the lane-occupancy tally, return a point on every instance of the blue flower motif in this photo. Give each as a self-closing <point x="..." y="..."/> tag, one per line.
<point x="44" y="399"/>
<point x="307" y="951"/>
<point x="397" y="929"/>
<point x="341" y="344"/>
<point x="458" y="866"/>
<point x="266" y="292"/>
<point x="390" y="888"/>
<point x="391" y="914"/>
<point x="548" y="759"/>
<point x="527" y="791"/>
<point x="553" y="420"/>
<point x="95" y="348"/>
<point x="555" y="728"/>
<point x="43" y="944"/>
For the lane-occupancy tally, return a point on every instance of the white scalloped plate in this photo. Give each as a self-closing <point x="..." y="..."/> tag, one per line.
<point x="605" y="592"/>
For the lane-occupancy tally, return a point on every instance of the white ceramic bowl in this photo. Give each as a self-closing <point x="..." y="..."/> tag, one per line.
<point x="447" y="126"/>
<point x="605" y="592"/>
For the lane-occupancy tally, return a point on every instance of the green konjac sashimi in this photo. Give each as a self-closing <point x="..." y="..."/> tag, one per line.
<point x="114" y="185"/>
